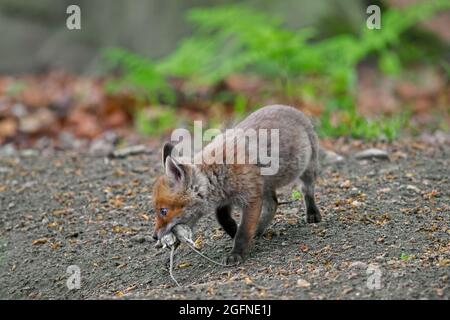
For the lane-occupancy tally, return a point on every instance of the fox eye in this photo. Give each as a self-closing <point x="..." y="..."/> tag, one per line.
<point x="163" y="211"/>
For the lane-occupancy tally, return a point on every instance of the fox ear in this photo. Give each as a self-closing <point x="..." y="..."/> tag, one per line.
<point x="166" y="151"/>
<point x="176" y="171"/>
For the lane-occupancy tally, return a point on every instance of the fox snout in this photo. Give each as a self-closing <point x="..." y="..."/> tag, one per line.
<point x="160" y="230"/>
<point x="158" y="233"/>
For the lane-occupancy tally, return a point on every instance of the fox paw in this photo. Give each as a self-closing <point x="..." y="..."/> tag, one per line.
<point x="233" y="259"/>
<point x="313" y="218"/>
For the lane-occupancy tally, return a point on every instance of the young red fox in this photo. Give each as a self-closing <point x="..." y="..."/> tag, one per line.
<point x="188" y="191"/>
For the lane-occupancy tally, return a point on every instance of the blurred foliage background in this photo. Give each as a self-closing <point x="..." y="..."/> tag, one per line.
<point x="150" y="66"/>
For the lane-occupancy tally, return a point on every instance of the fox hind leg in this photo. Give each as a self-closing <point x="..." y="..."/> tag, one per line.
<point x="269" y="208"/>
<point x="312" y="211"/>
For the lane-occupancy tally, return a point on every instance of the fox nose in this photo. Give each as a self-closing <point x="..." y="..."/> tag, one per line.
<point x="155" y="236"/>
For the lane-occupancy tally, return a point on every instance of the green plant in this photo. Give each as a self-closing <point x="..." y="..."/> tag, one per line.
<point x="15" y="88"/>
<point x="352" y="124"/>
<point x="139" y="75"/>
<point x="446" y="66"/>
<point x="234" y="38"/>
<point x="405" y="256"/>
<point x="240" y="105"/>
<point x="296" y="194"/>
<point x="155" y="121"/>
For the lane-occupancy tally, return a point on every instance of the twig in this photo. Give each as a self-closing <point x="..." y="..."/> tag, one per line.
<point x="185" y="235"/>
<point x="204" y="256"/>
<point x="172" y="252"/>
<point x="287" y="202"/>
<point x="128" y="151"/>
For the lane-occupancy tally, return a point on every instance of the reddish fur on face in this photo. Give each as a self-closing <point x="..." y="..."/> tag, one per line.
<point x="165" y="197"/>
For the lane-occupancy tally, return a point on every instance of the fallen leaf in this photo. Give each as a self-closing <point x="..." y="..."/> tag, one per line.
<point x="8" y="128"/>
<point x="184" y="265"/>
<point x="346" y="184"/>
<point x="40" y="241"/>
<point x="347" y="290"/>
<point x="55" y="246"/>
<point x="247" y="280"/>
<point x="52" y="225"/>
<point x="119" y="294"/>
<point x="303" y="248"/>
<point x="198" y="244"/>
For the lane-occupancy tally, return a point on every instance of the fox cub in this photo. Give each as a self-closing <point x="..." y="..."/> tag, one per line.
<point x="187" y="191"/>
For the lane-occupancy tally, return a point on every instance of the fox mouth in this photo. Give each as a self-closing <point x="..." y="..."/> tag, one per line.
<point x="189" y="218"/>
<point x="167" y="228"/>
<point x="189" y="221"/>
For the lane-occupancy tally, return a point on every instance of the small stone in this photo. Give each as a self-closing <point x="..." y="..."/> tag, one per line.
<point x="100" y="148"/>
<point x="331" y="157"/>
<point x="104" y="145"/>
<point x="358" y="264"/>
<point x="439" y="292"/>
<point x="70" y="142"/>
<point x="36" y="121"/>
<point x="346" y="184"/>
<point x="43" y="143"/>
<point x="129" y="151"/>
<point x="29" y="153"/>
<point x="138" y="239"/>
<point x="8" y="150"/>
<point x="19" y="110"/>
<point x="356" y="204"/>
<point x="412" y="188"/>
<point x="372" y="154"/>
<point x="301" y="283"/>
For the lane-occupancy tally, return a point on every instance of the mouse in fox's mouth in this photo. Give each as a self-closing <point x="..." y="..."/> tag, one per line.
<point x="177" y="234"/>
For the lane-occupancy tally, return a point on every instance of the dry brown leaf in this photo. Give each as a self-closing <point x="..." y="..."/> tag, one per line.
<point x="183" y="265"/>
<point x="40" y="241"/>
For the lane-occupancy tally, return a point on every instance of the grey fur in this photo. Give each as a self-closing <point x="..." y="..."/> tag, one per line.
<point x="269" y="208"/>
<point x="219" y="186"/>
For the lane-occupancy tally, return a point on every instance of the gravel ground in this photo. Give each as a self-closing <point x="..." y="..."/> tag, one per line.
<point x="384" y="235"/>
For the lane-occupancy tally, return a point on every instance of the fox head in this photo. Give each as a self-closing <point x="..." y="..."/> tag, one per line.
<point x="178" y="195"/>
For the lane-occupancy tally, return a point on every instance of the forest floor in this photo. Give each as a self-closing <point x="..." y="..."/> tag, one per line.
<point x="384" y="235"/>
